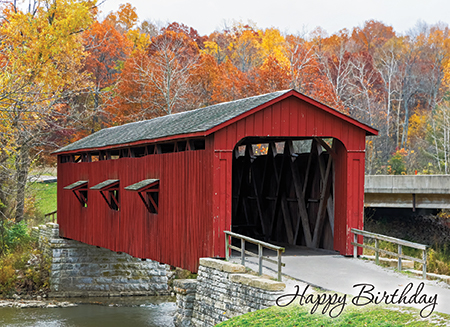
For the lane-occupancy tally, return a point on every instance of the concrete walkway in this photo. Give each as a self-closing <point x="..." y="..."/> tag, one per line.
<point x="333" y="272"/>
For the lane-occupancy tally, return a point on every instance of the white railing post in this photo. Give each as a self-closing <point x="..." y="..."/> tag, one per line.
<point x="424" y="269"/>
<point x="279" y="265"/>
<point x="377" y="254"/>
<point x="227" y="250"/>
<point x="242" y="252"/>
<point x="399" y="257"/>
<point x="260" y="257"/>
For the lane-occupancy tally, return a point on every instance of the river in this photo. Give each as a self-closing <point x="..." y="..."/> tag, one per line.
<point x="98" y="312"/>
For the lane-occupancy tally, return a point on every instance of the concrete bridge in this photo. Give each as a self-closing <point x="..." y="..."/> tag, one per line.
<point x="407" y="191"/>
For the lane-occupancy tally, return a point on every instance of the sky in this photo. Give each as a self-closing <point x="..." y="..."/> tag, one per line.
<point x="288" y="15"/>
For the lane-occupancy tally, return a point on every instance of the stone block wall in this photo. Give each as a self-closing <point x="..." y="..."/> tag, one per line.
<point x="79" y="269"/>
<point x="185" y="290"/>
<point x="223" y="290"/>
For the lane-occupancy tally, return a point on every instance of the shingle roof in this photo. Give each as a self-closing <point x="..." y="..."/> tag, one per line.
<point x="198" y="120"/>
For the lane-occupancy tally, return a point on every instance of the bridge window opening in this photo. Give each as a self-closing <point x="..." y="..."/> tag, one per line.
<point x="181" y="146"/>
<point x="301" y="146"/>
<point x="109" y="190"/>
<point x="166" y="148"/>
<point x="125" y="153"/>
<point x="64" y="159"/>
<point x="76" y="158"/>
<point x="148" y="191"/>
<point x="197" y="144"/>
<point x="95" y="156"/>
<point x="151" y="149"/>
<point x="240" y="151"/>
<point x="80" y="190"/>
<point x="139" y="152"/>
<point x="86" y="157"/>
<point x="283" y="192"/>
<point x="260" y="149"/>
<point x="279" y="147"/>
<point x="103" y="155"/>
<point x="113" y="154"/>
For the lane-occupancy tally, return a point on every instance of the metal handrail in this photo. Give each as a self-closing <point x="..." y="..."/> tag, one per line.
<point x="399" y="242"/>
<point x="52" y="214"/>
<point x="260" y="256"/>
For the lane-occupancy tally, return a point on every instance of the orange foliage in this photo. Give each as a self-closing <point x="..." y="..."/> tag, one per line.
<point x="271" y="76"/>
<point x="374" y="34"/>
<point x="107" y="48"/>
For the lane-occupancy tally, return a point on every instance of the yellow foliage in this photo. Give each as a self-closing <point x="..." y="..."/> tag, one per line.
<point x="140" y="40"/>
<point x="213" y="49"/>
<point x="273" y="44"/>
<point x="418" y="125"/>
<point x="41" y="56"/>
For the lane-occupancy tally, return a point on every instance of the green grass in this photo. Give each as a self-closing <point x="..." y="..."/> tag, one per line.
<point x="45" y="197"/>
<point x="295" y="315"/>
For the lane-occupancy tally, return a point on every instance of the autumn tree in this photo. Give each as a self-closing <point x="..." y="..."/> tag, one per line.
<point x="159" y="80"/>
<point x="439" y="135"/>
<point x="373" y="35"/>
<point x="334" y="59"/>
<point x="217" y="46"/>
<point x="272" y="76"/>
<point x="244" y="47"/>
<point x="124" y="19"/>
<point x="41" y="57"/>
<point x="107" y="49"/>
<point x="304" y="73"/>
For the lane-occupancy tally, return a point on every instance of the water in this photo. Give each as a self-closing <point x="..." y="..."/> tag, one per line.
<point x="135" y="312"/>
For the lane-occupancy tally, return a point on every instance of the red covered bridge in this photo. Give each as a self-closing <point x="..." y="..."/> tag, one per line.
<point x="280" y="167"/>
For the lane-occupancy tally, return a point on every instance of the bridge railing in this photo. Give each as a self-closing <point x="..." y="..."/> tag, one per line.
<point x="260" y="256"/>
<point x="50" y="215"/>
<point x="400" y="243"/>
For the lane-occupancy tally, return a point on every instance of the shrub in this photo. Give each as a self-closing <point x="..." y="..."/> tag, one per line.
<point x="397" y="164"/>
<point x="12" y="236"/>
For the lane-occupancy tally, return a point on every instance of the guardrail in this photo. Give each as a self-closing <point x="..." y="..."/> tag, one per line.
<point x="50" y="214"/>
<point x="399" y="242"/>
<point x="260" y="256"/>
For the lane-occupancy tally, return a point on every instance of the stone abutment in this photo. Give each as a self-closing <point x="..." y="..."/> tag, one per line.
<point x="80" y="270"/>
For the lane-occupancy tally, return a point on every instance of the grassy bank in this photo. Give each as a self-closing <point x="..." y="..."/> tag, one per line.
<point x="45" y="197"/>
<point x="295" y="315"/>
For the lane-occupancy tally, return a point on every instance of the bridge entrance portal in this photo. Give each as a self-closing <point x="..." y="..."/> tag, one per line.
<point x="283" y="190"/>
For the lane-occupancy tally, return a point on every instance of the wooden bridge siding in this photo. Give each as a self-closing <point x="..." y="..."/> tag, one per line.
<point x="293" y="117"/>
<point x="177" y="235"/>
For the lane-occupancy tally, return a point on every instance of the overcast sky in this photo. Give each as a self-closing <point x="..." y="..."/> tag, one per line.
<point x="288" y="15"/>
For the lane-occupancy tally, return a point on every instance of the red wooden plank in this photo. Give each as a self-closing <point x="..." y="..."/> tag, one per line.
<point x="276" y="120"/>
<point x="293" y="118"/>
<point x="268" y="121"/>
<point x="302" y="120"/>
<point x="285" y="118"/>
<point x="250" y="126"/>
<point x="259" y="119"/>
<point x="240" y="131"/>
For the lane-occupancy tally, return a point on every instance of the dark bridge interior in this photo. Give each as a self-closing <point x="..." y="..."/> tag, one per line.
<point x="283" y="191"/>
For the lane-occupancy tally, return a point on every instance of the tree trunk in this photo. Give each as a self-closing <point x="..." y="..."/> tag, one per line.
<point x="22" y="166"/>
